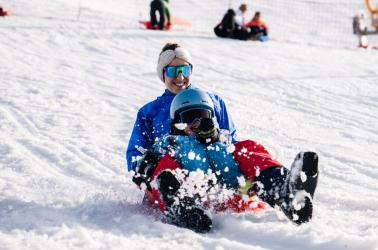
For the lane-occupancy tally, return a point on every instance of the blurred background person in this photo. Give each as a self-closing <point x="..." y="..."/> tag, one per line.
<point x="227" y="26"/>
<point x="161" y="8"/>
<point x="240" y="15"/>
<point x="257" y="27"/>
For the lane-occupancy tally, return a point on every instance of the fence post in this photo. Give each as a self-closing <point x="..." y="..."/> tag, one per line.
<point x="79" y="11"/>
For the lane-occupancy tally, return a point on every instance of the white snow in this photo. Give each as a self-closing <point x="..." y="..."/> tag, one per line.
<point x="191" y="155"/>
<point x="72" y="82"/>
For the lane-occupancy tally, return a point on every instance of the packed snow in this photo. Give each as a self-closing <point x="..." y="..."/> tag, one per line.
<point x="74" y="74"/>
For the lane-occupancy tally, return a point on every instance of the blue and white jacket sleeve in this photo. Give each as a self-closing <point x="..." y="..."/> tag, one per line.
<point x="223" y="117"/>
<point x="138" y="140"/>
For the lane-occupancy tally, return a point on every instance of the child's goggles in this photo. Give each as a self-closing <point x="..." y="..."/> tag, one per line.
<point x="194" y="115"/>
<point x="173" y="71"/>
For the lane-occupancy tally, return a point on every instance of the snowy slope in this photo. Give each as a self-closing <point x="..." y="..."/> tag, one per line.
<point x="70" y="90"/>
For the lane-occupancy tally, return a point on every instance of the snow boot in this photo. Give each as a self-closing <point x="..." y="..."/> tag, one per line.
<point x="168" y="185"/>
<point x="182" y="211"/>
<point x="189" y="215"/>
<point x="300" y="187"/>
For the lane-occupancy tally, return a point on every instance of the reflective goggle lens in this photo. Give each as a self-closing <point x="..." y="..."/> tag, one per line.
<point x="194" y="115"/>
<point x="173" y="71"/>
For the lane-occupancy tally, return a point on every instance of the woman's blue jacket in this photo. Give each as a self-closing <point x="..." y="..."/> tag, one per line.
<point x="153" y="122"/>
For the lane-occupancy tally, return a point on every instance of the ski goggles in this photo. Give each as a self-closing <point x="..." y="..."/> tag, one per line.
<point x="193" y="116"/>
<point x="173" y="71"/>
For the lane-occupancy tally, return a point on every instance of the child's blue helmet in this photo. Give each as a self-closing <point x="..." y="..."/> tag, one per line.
<point x="190" y="104"/>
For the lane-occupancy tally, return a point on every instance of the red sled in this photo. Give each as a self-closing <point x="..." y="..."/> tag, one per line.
<point x="368" y="47"/>
<point x="148" y="25"/>
<point x="5" y="13"/>
<point x="235" y="204"/>
<point x="175" y="21"/>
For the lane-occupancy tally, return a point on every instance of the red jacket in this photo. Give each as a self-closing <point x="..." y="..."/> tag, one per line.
<point x="257" y="23"/>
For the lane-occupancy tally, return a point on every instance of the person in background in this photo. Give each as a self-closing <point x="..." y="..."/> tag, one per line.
<point x="167" y="14"/>
<point x="161" y="8"/>
<point x="227" y="26"/>
<point x="241" y="31"/>
<point x="174" y="68"/>
<point x="257" y="27"/>
<point x="240" y="17"/>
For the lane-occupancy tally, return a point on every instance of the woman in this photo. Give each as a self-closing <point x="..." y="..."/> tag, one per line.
<point x="174" y="68"/>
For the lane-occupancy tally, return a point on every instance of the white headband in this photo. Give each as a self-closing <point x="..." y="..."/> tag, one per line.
<point x="167" y="57"/>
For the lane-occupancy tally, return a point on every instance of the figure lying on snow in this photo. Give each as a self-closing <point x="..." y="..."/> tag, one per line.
<point x="187" y="171"/>
<point x="256" y="29"/>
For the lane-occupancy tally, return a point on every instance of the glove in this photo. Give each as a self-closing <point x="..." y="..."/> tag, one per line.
<point x="249" y="188"/>
<point x="145" y="169"/>
<point x="208" y="133"/>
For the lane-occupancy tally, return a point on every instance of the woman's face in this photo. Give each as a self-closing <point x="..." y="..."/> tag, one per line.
<point x="175" y="85"/>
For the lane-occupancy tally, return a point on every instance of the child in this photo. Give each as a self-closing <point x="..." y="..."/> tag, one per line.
<point x="257" y="27"/>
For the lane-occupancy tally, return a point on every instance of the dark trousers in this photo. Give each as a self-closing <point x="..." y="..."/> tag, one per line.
<point x="256" y="30"/>
<point x="223" y="32"/>
<point x="241" y="33"/>
<point x="157" y="6"/>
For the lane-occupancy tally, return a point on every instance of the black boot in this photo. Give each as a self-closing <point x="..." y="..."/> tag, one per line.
<point x="291" y="190"/>
<point x="300" y="188"/>
<point x="168" y="185"/>
<point x="183" y="212"/>
<point x="189" y="214"/>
